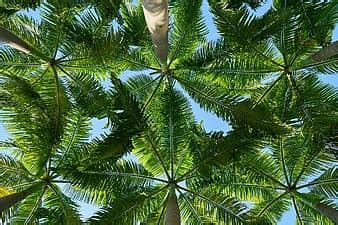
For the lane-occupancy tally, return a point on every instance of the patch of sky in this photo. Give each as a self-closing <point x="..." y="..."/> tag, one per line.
<point x="87" y="210"/>
<point x="99" y="127"/>
<point x="331" y="79"/>
<point x="209" y="21"/>
<point x="260" y="11"/>
<point x="288" y="218"/>
<point x="335" y="33"/>
<point x="3" y="133"/>
<point x="210" y="121"/>
<point x="4" y="136"/>
<point x="35" y="14"/>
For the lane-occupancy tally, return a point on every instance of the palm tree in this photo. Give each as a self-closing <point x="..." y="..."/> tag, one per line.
<point x="276" y="53"/>
<point x="185" y="36"/>
<point x="280" y="172"/>
<point x="261" y="76"/>
<point x="41" y="126"/>
<point x="63" y="35"/>
<point x="47" y="125"/>
<point x="294" y="170"/>
<point x="161" y="185"/>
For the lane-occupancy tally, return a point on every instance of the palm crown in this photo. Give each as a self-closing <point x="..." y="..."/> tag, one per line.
<point x="261" y="76"/>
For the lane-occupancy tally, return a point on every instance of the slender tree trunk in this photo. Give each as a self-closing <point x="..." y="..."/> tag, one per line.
<point x="9" y="201"/>
<point x="156" y="15"/>
<point x="327" y="211"/>
<point x="324" y="209"/>
<point x="172" y="214"/>
<point x="8" y="38"/>
<point x="326" y="52"/>
<point x="14" y="41"/>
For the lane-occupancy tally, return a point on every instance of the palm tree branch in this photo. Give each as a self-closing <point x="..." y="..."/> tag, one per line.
<point x="273" y="201"/>
<point x="306" y="165"/>
<point x="56" y="47"/>
<point x="318" y="183"/>
<point x="211" y="201"/>
<point x="128" y="175"/>
<point x="312" y="30"/>
<point x="41" y="76"/>
<point x="171" y="136"/>
<point x="180" y="162"/>
<point x="26" y="172"/>
<point x="24" y="184"/>
<point x="268" y="90"/>
<point x="161" y="215"/>
<point x="213" y="100"/>
<point x="177" y="47"/>
<point x="231" y="71"/>
<point x="184" y="176"/>
<point x="190" y="206"/>
<point x="153" y="147"/>
<point x="268" y="176"/>
<point x="60" y="196"/>
<point x="143" y="199"/>
<point x="294" y="57"/>
<point x="295" y="206"/>
<point x="146" y="85"/>
<point x="70" y="143"/>
<point x="72" y="60"/>
<point x="21" y="64"/>
<point x="266" y="57"/>
<point x="198" y="165"/>
<point x="256" y="185"/>
<point x="281" y="147"/>
<point x="315" y="64"/>
<point x="35" y="207"/>
<point x="86" y="66"/>
<point x="139" y="64"/>
<point x="297" y="92"/>
<point x="67" y="73"/>
<point x="58" y="111"/>
<point x="152" y="94"/>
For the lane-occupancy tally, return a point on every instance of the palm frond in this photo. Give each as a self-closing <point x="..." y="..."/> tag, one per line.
<point x="236" y="109"/>
<point x="188" y="29"/>
<point x="130" y="208"/>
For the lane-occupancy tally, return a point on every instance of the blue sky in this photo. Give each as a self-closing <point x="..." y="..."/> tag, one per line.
<point x="210" y="121"/>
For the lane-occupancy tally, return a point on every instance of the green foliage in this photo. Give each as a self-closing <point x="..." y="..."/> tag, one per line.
<point x="260" y="77"/>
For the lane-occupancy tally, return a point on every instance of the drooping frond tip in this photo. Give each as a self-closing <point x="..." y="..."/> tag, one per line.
<point x="156" y="15"/>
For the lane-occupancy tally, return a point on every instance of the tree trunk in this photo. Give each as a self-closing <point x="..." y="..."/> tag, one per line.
<point x="326" y="52"/>
<point x="9" y="201"/>
<point x="327" y="211"/>
<point x="156" y="15"/>
<point x="172" y="214"/>
<point x="14" y="41"/>
<point x="8" y="38"/>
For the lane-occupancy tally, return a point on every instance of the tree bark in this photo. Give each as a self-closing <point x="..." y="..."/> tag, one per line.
<point x="327" y="211"/>
<point x="172" y="214"/>
<point x="326" y="52"/>
<point x="324" y="209"/>
<point x="14" y="41"/>
<point x="156" y="15"/>
<point x="8" y="38"/>
<point x="9" y="201"/>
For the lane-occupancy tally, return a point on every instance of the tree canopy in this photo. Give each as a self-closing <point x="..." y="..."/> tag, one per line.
<point x="61" y="64"/>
